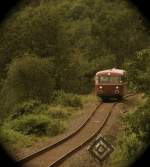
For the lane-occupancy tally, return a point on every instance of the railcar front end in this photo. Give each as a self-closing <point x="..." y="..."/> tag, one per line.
<point x="110" y="84"/>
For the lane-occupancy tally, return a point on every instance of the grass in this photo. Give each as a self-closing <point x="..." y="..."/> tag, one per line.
<point x="32" y="121"/>
<point x="67" y="99"/>
<point x="13" y="139"/>
<point x="90" y="98"/>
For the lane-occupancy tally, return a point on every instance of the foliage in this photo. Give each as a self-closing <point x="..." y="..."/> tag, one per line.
<point x="25" y="107"/>
<point x="139" y="122"/>
<point x="51" y="50"/>
<point x="32" y="77"/>
<point x="139" y="71"/>
<point x="27" y="32"/>
<point x="135" y="136"/>
<point x="29" y="77"/>
<point x="67" y="99"/>
<point x="38" y="125"/>
<point x="8" y="136"/>
<point x="92" y="32"/>
<point x="59" y="112"/>
<point x="32" y="120"/>
<point x="127" y="150"/>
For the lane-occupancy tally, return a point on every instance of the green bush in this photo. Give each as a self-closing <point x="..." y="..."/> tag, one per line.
<point x="128" y="148"/>
<point x="135" y="137"/>
<point x="139" y="121"/>
<point x="138" y="72"/>
<point x="29" y="77"/>
<point x="56" y="127"/>
<point x="67" y="99"/>
<point x="73" y="101"/>
<point x="10" y="136"/>
<point x="38" y="125"/>
<point x="25" y="107"/>
<point x="59" y="112"/>
<point x="42" y="108"/>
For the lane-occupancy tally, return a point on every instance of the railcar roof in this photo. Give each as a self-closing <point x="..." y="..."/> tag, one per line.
<point x="111" y="71"/>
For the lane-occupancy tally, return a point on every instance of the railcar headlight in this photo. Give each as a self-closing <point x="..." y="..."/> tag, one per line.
<point x="100" y="87"/>
<point x="117" y="87"/>
<point x="117" y="92"/>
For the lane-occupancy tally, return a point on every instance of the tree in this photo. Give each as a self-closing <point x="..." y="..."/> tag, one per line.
<point x="116" y="27"/>
<point x="139" y="71"/>
<point x="29" y="77"/>
<point x="33" y="30"/>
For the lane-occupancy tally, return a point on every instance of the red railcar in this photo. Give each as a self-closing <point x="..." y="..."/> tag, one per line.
<point x="110" y="83"/>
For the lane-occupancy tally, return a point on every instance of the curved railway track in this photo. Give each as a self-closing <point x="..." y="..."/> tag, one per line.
<point x="52" y="146"/>
<point x="100" y="125"/>
<point x="55" y="154"/>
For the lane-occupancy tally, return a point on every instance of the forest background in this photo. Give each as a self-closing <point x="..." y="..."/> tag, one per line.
<point x="51" y="49"/>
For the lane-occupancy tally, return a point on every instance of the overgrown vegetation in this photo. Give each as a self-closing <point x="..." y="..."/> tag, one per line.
<point x="49" y="53"/>
<point x="64" y="45"/>
<point x="32" y="120"/>
<point x="134" y="139"/>
<point x="60" y="97"/>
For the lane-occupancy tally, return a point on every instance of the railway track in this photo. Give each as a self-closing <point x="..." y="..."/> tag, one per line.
<point x="52" y="146"/>
<point x="55" y="154"/>
<point x="92" y="136"/>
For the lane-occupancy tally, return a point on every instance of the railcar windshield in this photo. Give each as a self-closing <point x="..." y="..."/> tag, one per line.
<point x="110" y="79"/>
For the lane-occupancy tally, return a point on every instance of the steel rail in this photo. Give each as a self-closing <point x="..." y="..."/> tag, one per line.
<point x="52" y="146"/>
<point x="68" y="154"/>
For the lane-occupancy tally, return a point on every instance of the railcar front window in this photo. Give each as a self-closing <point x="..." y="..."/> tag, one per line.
<point x="109" y="79"/>
<point x="104" y="79"/>
<point x="115" y="79"/>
